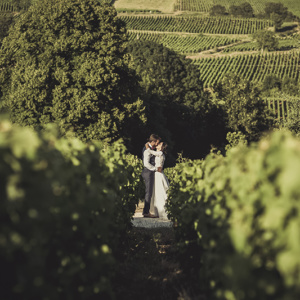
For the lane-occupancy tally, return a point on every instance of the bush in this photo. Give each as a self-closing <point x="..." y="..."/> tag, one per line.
<point x="266" y="40"/>
<point x="64" y="207"/>
<point x="293" y="121"/>
<point x="217" y="10"/>
<point x="245" y="110"/>
<point x="235" y="139"/>
<point x="244" y="10"/>
<point x="6" y="20"/>
<point x="238" y="222"/>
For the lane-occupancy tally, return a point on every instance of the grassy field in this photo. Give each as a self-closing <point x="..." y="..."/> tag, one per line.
<point x="165" y="6"/>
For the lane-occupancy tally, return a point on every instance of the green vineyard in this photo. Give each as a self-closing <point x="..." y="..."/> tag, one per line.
<point x="4" y="7"/>
<point x="192" y="5"/>
<point x="280" y="106"/>
<point x="182" y="44"/>
<point x="251" y="67"/>
<point x="196" y="24"/>
<point x="205" y="5"/>
<point x="253" y="46"/>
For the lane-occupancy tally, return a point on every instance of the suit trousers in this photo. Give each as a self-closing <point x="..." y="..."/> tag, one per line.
<point x="148" y="177"/>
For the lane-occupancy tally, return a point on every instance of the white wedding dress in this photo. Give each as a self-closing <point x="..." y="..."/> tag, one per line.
<point x="160" y="187"/>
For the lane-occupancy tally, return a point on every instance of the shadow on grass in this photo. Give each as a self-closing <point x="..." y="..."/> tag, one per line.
<point x="287" y="28"/>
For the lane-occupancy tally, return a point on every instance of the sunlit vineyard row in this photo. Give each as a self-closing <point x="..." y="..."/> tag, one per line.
<point x="251" y="67"/>
<point x="182" y="44"/>
<point x="280" y="106"/>
<point x="6" y="7"/>
<point x="236" y="220"/>
<point x="196" y="24"/>
<point x="192" y="5"/>
<point x="253" y="46"/>
<point x="205" y="5"/>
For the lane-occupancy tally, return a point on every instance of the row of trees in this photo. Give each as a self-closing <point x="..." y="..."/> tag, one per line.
<point x="244" y="10"/>
<point x="274" y="11"/>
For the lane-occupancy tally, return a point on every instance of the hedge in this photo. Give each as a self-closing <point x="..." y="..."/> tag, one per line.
<point x="64" y="207"/>
<point x="237" y="220"/>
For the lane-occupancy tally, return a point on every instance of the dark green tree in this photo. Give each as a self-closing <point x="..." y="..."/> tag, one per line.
<point x="6" y="20"/>
<point x="290" y="86"/>
<point x="244" y="10"/>
<point x="277" y="12"/>
<point x="245" y="110"/>
<point x="234" y="10"/>
<point x="64" y="62"/>
<point x="266" y="40"/>
<point x="217" y="10"/>
<point x="271" y="82"/>
<point x="293" y="121"/>
<point x="177" y="107"/>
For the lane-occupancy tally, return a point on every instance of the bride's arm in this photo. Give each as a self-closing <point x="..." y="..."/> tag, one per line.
<point x="159" y="162"/>
<point x="156" y="153"/>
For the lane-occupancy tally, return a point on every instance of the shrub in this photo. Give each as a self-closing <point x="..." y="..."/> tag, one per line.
<point x="293" y="120"/>
<point x="238" y="222"/>
<point x="64" y="207"/>
<point x="245" y="110"/>
<point x="235" y="139"/>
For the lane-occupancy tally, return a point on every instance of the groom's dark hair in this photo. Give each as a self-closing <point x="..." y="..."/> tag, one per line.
<point x="153" y="138"/>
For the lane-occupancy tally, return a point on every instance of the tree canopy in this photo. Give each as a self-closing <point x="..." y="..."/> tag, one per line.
<point x="266" y="40"/>
<point x="176" y="105"/>
<point x="243" y="10"/>
<point x="218" y="10"/>
<point x="245" y="110"/>
<point x="277" y="12"/>
<point x="6" y="20"/>
<point x="64" y="62"/>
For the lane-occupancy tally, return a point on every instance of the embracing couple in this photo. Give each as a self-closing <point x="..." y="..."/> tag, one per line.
<point x="155" y="180"/>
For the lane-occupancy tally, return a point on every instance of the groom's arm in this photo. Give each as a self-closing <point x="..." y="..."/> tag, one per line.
<point x="146" y="161"/>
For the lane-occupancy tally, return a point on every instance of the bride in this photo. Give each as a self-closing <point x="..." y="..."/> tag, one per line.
<point x="161" y="184"/>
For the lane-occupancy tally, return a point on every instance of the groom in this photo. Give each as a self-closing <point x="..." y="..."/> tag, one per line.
<point x="148" y="173"/>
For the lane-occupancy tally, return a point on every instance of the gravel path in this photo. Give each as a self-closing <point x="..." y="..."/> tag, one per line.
<point x="140" y="221"/>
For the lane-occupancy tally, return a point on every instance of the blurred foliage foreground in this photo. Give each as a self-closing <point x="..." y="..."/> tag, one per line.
<point x="64" y="207"/>
<point x="237" y="220"/>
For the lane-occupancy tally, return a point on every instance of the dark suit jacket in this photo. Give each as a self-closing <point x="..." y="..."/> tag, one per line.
<point x="152" y="158"/>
